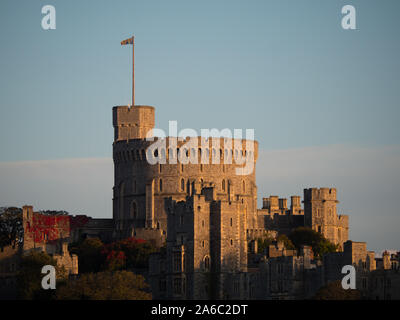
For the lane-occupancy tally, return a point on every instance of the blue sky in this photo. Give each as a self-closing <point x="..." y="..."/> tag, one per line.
<point x="285" y="68"/>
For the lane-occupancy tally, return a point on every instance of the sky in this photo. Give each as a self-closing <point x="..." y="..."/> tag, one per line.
<point x="323" y="101"/>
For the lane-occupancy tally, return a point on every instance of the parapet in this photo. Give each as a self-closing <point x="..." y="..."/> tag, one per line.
<point x="320" y="194"/>
<point x="132" y="122"/>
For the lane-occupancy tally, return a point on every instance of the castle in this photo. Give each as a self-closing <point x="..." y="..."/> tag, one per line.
<point x="141" y="189"/>
<point x="205" y="211"/>
<point x="205" y="215"/>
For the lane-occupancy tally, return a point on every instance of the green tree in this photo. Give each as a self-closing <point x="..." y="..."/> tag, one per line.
<point x="286" y="241"/>
<point x="29" y="277"/>
<point x="90" y="255"/>
<point x="263" y="243"/>
<point x="119" y="285"/>
<point x="335" y="291"/>
<point x="11" y="228"/>
<point x="306" y="236"/>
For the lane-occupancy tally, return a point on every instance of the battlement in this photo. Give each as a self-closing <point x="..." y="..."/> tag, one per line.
<point x="276" y="203"/>
<point x="211" y="149"/>
<point x="319" y="194"/>
<point x="132" y="122"/>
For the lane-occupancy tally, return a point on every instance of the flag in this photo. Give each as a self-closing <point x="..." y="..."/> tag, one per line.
<point x="127" y="41"/>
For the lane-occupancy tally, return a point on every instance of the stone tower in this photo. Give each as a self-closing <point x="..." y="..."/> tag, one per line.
<point x="206" y="244"/>
<point x="320" y="214"/>
<point x="140" y="187"/>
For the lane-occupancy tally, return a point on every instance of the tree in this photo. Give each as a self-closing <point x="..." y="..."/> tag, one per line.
<point x="119" y="285"/>
<point x="286" y="242"/>
<point x="306" y="236"/>
<point x="90" y="255"/>
<point x="135" y="251"/>
<point x="334" y="291"/>
<point x="263" y="243"/>
<point x="30" y="276"/>
<point x="11" y="228"/>
<point x="54" y="212"/>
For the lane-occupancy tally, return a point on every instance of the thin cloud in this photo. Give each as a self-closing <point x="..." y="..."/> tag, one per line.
<point x="367" y="181"/>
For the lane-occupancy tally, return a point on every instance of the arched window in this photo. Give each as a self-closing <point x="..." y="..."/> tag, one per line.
<point x="206" y="263"/>
<point x="183" y="184"/>
<point x="223" y="185"/>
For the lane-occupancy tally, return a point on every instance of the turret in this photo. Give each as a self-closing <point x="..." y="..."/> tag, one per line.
<point x="132" y="122"/>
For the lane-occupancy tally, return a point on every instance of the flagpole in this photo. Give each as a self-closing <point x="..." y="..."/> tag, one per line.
<point x="133" y="71"/>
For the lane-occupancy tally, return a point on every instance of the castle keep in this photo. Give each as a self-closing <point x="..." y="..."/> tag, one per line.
<point x="140" y="189"/>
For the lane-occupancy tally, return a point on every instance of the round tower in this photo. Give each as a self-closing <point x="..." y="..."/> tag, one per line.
<point x="140" y="188"/>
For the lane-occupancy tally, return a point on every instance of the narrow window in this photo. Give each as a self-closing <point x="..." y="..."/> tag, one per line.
<point x="207" y="263"/>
